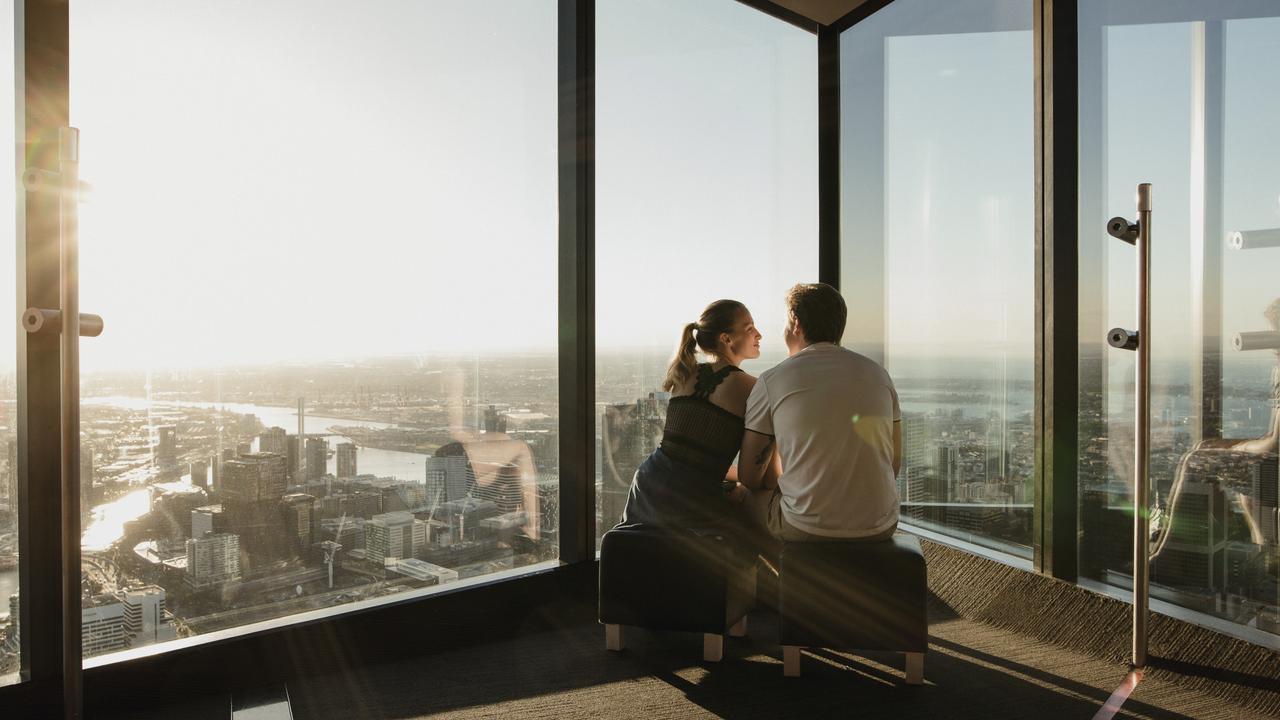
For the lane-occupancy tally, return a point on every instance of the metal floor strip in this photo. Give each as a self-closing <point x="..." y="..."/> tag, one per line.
<point x="262" y="704"/>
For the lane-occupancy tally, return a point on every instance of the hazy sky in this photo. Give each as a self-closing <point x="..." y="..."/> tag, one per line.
<point x="311" y="179"/>
<point x="706" y="166"/>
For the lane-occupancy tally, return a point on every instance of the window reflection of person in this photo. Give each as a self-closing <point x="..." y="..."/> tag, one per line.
<point x="494" y="456"/>
<point x="1206" y="451"/>
<point x="1267" y="443"/>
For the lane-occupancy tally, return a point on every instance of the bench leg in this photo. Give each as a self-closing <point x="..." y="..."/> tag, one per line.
<point x="791" y="661"/>
<point x="613" y="637"/>
<point x="739" y="628"/>
<point x="712" y="647"/>
<point x="915" y="668"/>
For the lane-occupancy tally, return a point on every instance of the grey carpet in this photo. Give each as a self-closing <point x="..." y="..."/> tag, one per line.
<point x="972" y="671"/>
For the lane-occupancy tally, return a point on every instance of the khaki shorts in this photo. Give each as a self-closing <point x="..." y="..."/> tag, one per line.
<point x="764" y="507"/>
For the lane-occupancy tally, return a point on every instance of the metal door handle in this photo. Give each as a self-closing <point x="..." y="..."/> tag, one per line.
<point x="1139" y="235"/>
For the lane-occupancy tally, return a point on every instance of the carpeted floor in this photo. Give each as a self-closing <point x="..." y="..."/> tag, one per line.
<point x="972" y="670"/>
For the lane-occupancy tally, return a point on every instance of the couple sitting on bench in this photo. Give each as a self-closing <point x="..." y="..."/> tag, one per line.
<point x="818" y="436"/>
<point x="819" y="443"/>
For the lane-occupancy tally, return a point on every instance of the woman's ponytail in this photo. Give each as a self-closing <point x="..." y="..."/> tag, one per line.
<point x="685" y="363"/>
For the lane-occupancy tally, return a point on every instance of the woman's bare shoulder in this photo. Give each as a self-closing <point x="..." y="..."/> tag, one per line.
<point x="738" y="385"/>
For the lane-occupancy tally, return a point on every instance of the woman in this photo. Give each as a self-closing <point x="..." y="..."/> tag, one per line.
<point x="682" y="483"/>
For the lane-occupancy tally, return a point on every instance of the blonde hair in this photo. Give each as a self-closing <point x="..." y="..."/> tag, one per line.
<point x="716" y="319"/>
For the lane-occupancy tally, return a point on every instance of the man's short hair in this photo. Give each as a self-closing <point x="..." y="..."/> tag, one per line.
<point x="819" y="310"/>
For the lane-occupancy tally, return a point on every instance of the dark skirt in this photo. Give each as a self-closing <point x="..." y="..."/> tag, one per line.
<point x="668" y="493"/>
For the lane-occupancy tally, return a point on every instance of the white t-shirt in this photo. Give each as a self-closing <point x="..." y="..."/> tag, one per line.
<point x="832" y="413"/>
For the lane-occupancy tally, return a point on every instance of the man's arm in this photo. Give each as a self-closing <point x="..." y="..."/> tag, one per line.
<point x="756" y="461"/>
<point x="897" y="447"/>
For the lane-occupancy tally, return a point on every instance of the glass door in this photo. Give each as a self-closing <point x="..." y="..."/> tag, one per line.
<point x="1181" y="95"/>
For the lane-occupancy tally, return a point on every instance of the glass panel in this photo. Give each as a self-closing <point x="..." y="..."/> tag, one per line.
<point x="345" y="210"/>
<point x="938" y="250"/>
<point x="1185" y="103"/>
<point x="706" y="188"/>
<point x="10" y="662"/>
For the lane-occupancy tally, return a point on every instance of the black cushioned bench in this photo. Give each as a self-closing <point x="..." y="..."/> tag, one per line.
<point x="675" y="579"/>
<point x="854" y="596"/>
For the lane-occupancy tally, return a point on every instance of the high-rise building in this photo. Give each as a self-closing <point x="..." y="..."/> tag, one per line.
<point x="946" y="466"/>
<point x="144" y="615"/>
<point x="212" y="559"/>
<point x="208" y="519"/>
<point x="300" y="519"/>
<point x="166" y="447"/>
<point x="346" y="460"/>
<point x="132" y="618"/>
<point x="494" y="421"/>
<point x="446" y="479"/>
<point x="102" y="628"/>
<point x="463" y="518"/>
<point x="1265" y="488"/>
<point x="200" y="474"/>
<point x="501" y="484"/>
<point x="362" y="503"/>
<point x="274" y="440"/>
<point x="87" y="494"/>
<point x="915" y="441"/>
<point x="393" y="535"/>
<point x="12" y="639"/>
<point x="317" y="457"/>
<point x="11" y="475"/>
<point x="250" y="497"/>
<point x="348" y="532"/>
<point x="253" y="477"/>
<point x="1194" y="557"/>
<point x="293" y="457"/>
<point x="1107" y="512"/>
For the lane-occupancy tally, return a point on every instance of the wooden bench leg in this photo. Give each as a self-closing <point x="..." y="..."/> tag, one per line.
<point x="915" y="668"/>
<point x="712" y="647"/>
<point x="739" y="628"/>
<point x="613" y="637"/>
<point x="791" y="661"/>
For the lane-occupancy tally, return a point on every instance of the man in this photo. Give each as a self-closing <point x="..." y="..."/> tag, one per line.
<point x="823" y="440"/>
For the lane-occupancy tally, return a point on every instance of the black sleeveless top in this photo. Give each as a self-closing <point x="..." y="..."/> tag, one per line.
<point x="700" y="433"/>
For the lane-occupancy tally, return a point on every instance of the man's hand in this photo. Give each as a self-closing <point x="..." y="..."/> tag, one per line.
<point x="758" y="465"/>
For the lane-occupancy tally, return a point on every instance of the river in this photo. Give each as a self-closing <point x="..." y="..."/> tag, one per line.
<point x="106" y="524"/>
<point x="108" y="520"/>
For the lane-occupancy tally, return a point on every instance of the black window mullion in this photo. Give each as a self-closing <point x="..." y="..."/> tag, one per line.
<point x="577" y="279"/>
<point x="1057" y="341"/>
<point x="829" y="156"/>
<point x="42" y="93"/>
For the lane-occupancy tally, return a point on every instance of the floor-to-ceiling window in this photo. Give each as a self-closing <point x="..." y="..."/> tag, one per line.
<point x="1182" y="95"/>
<point x="937" y="251"/>
<point x="323" y="239"/>
<point x="706" y="188"/>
